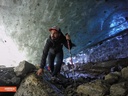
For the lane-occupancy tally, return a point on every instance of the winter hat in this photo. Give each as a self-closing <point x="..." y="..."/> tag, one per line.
<point x="54" y="28"/>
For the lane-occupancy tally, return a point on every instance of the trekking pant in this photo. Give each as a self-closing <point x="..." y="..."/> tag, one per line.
<point x="59" y="59"/>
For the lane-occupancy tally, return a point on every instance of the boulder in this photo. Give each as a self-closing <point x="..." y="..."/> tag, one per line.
<point x="24" y="68"/>
<point x="112" y="77"/>
<point x="95" y="88"/>
<point x="33" y="85"/>
<point x="124" y="73"/>
<point x="8" y="77"/>
<point x="119" y="89"/>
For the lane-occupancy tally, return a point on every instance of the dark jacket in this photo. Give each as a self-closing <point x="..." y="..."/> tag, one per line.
<point x="54" y="46"/>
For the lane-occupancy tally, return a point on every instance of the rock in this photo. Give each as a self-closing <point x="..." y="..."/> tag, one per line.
<point x="99" y="67"/>
<point x="2" y="66"/>
<point x="95" y="88"/>
<point x="8" y="77"/>
<point x="118" y="89"/>
<point x="33" y="85"/>
<point x="124" y="73"/>
<point x="15" y="80"/>
<point x="24" y="68"/>
<point x="70" y="90"/>
<point x="112" y="77"/>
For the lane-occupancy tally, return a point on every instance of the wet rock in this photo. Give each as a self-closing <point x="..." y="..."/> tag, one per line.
<point x="95" y="88"/>
<point x="24" y="68"/>
<point x="119" y="89"/>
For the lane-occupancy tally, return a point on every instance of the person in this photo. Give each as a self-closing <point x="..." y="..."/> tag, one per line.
<point x="54" y="49"/>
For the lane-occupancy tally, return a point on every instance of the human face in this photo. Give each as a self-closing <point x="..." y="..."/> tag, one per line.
<point x="54" y="34"/>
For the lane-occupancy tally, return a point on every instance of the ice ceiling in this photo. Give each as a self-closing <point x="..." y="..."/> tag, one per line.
<point x="24" y="26"/>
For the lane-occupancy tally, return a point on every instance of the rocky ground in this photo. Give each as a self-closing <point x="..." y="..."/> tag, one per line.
<point x="108" y="78"/>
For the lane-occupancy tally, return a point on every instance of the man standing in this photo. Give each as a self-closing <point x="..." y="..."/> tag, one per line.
<point x="53" y="49"/>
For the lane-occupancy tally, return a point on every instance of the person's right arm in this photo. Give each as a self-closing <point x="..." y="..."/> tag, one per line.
<point x="44" y="56"/>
